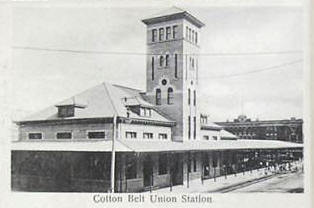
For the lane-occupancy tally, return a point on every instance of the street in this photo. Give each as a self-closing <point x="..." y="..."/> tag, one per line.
<point x="283" y="183"/>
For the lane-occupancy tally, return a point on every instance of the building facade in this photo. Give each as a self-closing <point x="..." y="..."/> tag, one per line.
<point x="283" y="130"/>
<point x="114" y="138"/>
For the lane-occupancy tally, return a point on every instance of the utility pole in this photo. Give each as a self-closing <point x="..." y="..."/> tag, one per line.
<point x="113" y="153"/>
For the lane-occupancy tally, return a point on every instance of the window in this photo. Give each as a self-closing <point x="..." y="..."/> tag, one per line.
<point x="190" y="31"/>
<point x="161" y="61"/>
<point x="154" y="35"/>
<point x="194" y="97"/>
<point x="162" y="136"/>
<point x="195" y="37"/>
<point x="215" y="159"/>
<point x="192" y="63"/>
<point x="64" y="135"/>
<point x="189" y="127"/>
<point x="194" y="132"/>
<point x="189" y="96"/>
<point x="167" y="60"/>
<point x="187" y="33"/>
<point x="147" y="135"/>
<point x="176" y="65"/>
<point x="131" y="167"/>
<point x="153" y="68"/>
<point x="215" y="137"/>
<point x="174" y="31"/>
<point x="35" y="136"/>
<point x="161" y="34"/>
<point x="162" y="164"/>
<point x="66" y="111"/>
<point x="96" y="135"/>
<point x="189" y="163"/>
<point x="130" y="135"/>
<point x="168" y="33"/>
<point x="170" y="96"/>
<point x="146" y="112"/>
<point x="206" y="137"/>
<point x="158" y="97"/>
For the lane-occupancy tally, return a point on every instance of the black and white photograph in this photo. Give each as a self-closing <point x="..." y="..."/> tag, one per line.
<point x="157" y="99"/>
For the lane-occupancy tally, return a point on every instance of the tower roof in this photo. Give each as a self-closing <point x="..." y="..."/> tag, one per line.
<point x="172" y="13"/>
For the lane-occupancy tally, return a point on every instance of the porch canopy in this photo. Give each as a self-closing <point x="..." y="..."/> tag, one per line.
<point x="152" y="146"/>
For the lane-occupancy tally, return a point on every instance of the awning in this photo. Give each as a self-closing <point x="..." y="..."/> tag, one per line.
<point x="152" y="146"/>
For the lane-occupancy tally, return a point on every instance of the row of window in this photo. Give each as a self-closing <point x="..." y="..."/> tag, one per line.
<point x="191" y="35"/>
<point x="164" y="61"/>
<point x="170" y="96"/>
<point x="146" y="135"/>
<point x="206" y="137"/>
<point x="167" y="33"/>
<point x="146" y="112"/>
<point x="68" y="135"/>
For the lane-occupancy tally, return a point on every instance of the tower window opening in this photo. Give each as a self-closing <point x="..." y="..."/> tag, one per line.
<point x="187" y="33"/>
<point x="189" y="127"/>
<point x="194" y="99"/>
<point x="190" y="31"/>
<point x="167" y="60"/>
<point x="161" y="61"/>
<point x="154" y="35"/>
<point x="193" y="36"/>
<point x="158" y="97"/>
<point x="189" y="96"/>
<point x="153" y="68"/>
<point x="176" y="65"/>
<point x="161" y="34"/>
<point x="196" y="38"/>
<point x="170" y="96"/>
<point x="174" y="31"/>
<point x="194" y="127"/>
<point x="168" y="33"/>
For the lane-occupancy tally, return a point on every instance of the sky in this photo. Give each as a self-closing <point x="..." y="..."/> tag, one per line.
<point x="43" y="78"/>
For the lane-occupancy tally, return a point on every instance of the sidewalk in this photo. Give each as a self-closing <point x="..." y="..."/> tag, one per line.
<point x="221" y="183"/>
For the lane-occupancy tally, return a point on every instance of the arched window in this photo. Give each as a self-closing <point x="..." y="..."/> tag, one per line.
<point x="161" y="61"/>
<point x="158" y="97"/>
<point x="170" y="96"/>
<point x="167" y="60"/>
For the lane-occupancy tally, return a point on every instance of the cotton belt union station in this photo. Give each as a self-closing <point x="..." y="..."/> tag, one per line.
<point x="112" y="138"/>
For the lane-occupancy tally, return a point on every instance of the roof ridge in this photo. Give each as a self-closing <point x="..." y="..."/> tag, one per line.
<point x="110" y="98"/>
<point x="130" y="88"/>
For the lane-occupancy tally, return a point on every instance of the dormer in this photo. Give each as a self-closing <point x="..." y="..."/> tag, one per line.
<point x="68" y="110"/>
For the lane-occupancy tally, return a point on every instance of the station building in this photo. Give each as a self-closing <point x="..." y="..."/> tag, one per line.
<point x="114" y="138"/>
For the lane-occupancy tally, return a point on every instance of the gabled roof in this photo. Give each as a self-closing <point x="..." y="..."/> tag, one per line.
<point x="172" y="14"/>
<point x="101" y="101"/>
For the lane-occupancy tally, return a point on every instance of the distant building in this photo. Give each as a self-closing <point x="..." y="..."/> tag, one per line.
<point x="284" y="130"/>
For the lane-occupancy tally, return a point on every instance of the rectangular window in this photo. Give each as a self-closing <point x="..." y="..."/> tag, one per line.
<point x="130" y="135"/>
<point x="35" y="136"/>
<point x="162" y="164"/>
<point x="147" y="135"/>
<point x="161" y="34"/>
<point x="206" y="137"/>
<point x="96" y="135"/>
<point x="196" y="38"/>
<point x="153" y="68"/>
<point x="189" y="96"/>
<point x="190" y="31"/>
<point x="194" y="97"/>
<point x="193" y="36"/>
<point x="131" y="167"/>
<point x="176" y="65"/>
<point x="158" y="97"/>
<point x="66" y="111"/>
<point x="162" y="136"/>
<point x="64" y="135"/>
<point x="215" y="137"/>
<point x="174" y="31"/>
<point x="194" y="132"/>
<point x="189" y="127"/>
<point x="154" y="35"/>
<point x="168" y="33"/>
<point x="187" y="33"/>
